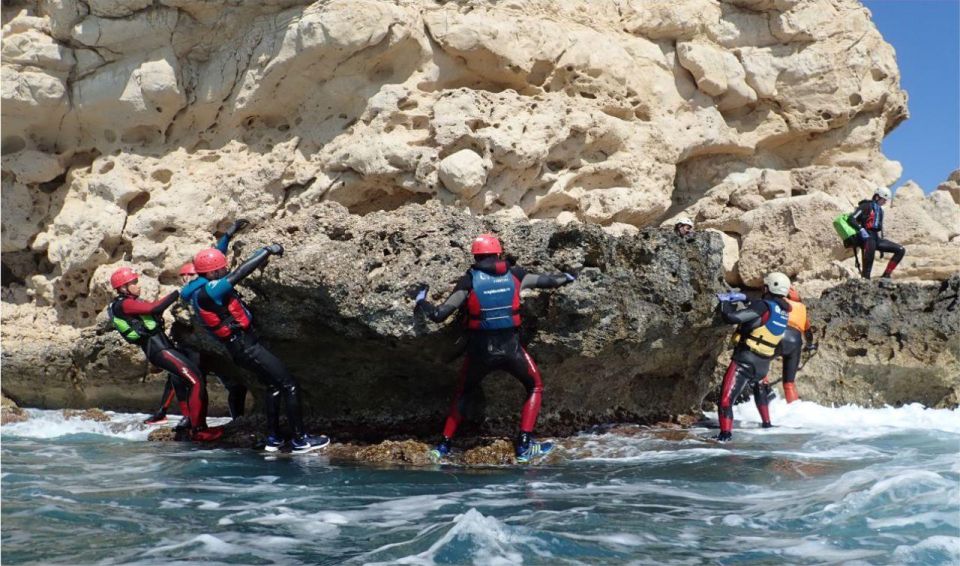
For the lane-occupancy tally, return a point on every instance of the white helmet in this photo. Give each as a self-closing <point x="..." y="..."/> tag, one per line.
<point x="684" y="220"/>
<point x="883" y="193"/>
<point x="777" y="283"/>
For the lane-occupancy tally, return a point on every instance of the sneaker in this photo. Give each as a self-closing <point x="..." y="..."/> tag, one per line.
<point x="440" y="452"/>
<point x="308" y="443"/>
<point x="534" y="450"/>
<point x="724" y="437"/>
<point x="274" y="443"/>
<point x="158" y="418"/>
<point x="767" y="425"/>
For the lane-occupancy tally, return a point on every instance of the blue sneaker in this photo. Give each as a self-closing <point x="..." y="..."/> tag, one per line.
<point x="308" y="443"/>
<point x="440" y="452"/>
<point x="274" y="443"/>
<point x="534" y="451"/>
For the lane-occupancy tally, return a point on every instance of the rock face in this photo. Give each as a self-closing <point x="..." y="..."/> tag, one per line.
<point x="886" y="344"/>
<point x="133" y="130"/>
<point x="632" y="338"/>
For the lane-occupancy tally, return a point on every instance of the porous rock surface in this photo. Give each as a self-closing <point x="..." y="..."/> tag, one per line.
<point x="885" y="344"/>
<point x="133" y="130"/>
<point x="632" y="338"/>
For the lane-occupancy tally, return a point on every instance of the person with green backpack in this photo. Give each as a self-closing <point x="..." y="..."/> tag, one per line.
<point x="864" y="229"/>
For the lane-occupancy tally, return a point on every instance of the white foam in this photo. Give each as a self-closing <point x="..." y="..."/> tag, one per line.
<point x="206" y="542"/>
<point x="46" y="424"/>
<point x="494" y="543"/>
<point x="850" y="421"/>
<point x="945" y="546"/>
<point x="53" y="424"/>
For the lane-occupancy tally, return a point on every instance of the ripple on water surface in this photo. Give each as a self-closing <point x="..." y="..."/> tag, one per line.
<point x="841" y="485"/>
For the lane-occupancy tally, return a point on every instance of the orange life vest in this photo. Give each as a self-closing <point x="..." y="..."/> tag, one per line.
<point x="798" y="316"/>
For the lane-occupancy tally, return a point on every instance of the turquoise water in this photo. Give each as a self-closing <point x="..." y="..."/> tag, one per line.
<point x="844" y="485"/>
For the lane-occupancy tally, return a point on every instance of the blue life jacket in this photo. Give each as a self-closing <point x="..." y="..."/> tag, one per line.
<point x="494" y="302"/>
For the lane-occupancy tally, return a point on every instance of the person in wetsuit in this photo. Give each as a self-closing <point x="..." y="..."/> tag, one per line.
<point x="236" y="391"/>
<point x="141" y="322"/>
<point x="222" y="312"/>
<point x="683" y="226"/>
<point x="868" y="220"/>
<point x="490" y="293"/>
<point x="792" y="344"/>
<point x="761" y="326"/>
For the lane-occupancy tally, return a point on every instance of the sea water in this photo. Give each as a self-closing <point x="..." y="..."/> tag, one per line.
<point x="840" y="485"/>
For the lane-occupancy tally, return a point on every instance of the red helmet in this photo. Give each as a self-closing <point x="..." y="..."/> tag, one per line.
<point x="210" y="259"/>
<point x="122" y="276"/>
<point x="486" y="244"/>
<point x="188" y="269"/>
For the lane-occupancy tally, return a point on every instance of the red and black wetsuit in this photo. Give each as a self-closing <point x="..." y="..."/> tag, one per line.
<point x="493" y="333"/>
<point x="869" y="216"/>
<point x="236" y="391"/>
<point x="746" y="365"/>
<point x="223" y="313"/>
<point x="187" y="380"/>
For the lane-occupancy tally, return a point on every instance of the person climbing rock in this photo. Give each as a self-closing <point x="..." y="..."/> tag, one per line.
<point x="236" y="391"/>
<point x="683" y="227"/>
<point x="761" y="326"/>
<point x="141" y="322"/>
<point x="490" y="293"/>
<point x="792" y="344"/>
<point x="223" y="313"/>
<point x="867" y="219"/>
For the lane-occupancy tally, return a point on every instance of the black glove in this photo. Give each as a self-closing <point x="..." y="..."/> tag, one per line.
<point x="275" y="249"/>
<point x="240" y="224"/>
<point x="810" y="347"/>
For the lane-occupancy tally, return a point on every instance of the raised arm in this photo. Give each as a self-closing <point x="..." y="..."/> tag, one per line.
<point x="541" y="281"/>
<point x="135" y="307"/>
<point x="223" y="244"/>
<point x="456" y="300"/>
<point x="256" y="261"/>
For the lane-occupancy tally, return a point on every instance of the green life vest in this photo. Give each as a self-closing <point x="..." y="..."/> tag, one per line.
<point x="843" y="227"/>
<point x="133" y="329"/>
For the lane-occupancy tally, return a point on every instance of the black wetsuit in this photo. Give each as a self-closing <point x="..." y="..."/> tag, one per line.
<point x="869" y="216"/>
<point x="236" y="391"/>
<point x="746" y="366"/>
<point x="186" y="379"/>
<point x="221" y="310"/>
<point x="490" y="349"/>
<point x="790" y="347"/>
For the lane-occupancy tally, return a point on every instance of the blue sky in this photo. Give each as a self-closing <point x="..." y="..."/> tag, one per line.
<point x="926" y="36"/>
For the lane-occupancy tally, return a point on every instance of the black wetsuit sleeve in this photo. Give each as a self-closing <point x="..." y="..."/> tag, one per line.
<point x="859" y="217"/>
<point x="246" y="268"/>
<point x="539" y="281"/>
<point x="728" y="310"/>
<point x="452" y="304"/>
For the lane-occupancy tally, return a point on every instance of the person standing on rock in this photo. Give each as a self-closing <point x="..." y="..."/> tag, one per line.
<point x="490" y="292"/>
<point x="761" y="327"/>
<point x="867" y="219"/>
<point x="221" y="311"/>
<point x="683" y="227"/>
<point x="791" y="346"/>
<point x="141" y="323"/>
<point x="236" y="392"/>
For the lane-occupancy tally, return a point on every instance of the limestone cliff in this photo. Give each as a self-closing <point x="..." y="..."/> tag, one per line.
<point x="133" y="130"/>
